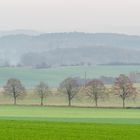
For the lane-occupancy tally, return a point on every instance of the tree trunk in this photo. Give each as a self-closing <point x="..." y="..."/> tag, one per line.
<point x="69" y="99"/>
<point x="123" y="103"/>
<point x="96" y="103"/>
<point x="41" y="102"/>
<point x="96" y="100"/>
<point x="69" y="102"/>
<point x="15" y="101"/>
<point x="14" y="95"/>
<point x="123" y="97"/>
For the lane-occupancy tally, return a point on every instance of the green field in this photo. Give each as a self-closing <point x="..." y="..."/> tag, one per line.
<point x="127" y="116"/>
<point x="34" y="130"/>
<point x="54" y="76"/>
<point x="64" y="123"/>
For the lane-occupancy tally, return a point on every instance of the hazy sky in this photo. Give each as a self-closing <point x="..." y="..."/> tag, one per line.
<point x="121" y="16"/>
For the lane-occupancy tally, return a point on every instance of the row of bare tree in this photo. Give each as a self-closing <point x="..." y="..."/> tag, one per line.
<point x="94" y="89"/>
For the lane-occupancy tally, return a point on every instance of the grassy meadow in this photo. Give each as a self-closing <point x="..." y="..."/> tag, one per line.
<point x="72" y="114"/>
<point x="33" y="130"/>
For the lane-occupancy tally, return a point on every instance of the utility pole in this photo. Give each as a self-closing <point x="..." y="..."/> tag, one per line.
<point x="85" y="80"/>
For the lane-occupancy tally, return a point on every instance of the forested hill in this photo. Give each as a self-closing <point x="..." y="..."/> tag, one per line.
<point x="69" y="48"/>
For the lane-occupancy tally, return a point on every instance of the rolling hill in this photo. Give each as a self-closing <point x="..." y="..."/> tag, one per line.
<point x="69" y="49"/>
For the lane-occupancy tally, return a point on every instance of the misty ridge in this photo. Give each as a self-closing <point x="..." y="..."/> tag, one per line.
<point x="42" y="50"/>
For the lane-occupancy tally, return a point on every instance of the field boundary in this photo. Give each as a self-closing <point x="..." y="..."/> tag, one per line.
<point x="72" y="106"/>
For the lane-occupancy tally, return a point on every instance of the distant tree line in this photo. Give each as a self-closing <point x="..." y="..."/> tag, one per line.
<point x="93" y="89"/>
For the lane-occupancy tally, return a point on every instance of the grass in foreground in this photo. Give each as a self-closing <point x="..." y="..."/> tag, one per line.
<point x="34" y="130"/>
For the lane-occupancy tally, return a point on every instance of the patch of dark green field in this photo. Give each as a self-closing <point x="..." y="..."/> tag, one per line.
<point x="38" y="130"/>
<point x="53" y="76"/>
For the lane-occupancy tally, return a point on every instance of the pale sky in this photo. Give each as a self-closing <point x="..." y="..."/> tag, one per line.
<point x="121" y="16"/>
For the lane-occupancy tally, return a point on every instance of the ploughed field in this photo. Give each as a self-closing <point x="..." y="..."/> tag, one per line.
<point x="65" y="123"/>
<point x="53" y="76"/>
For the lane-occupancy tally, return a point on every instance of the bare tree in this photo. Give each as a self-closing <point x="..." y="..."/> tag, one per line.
<point x="70" y="87"/>
<point x="43" y="91"/>
<point x="15" y="89"/>
<point x="95" y="90"/>
<point x="124" y="88"/>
